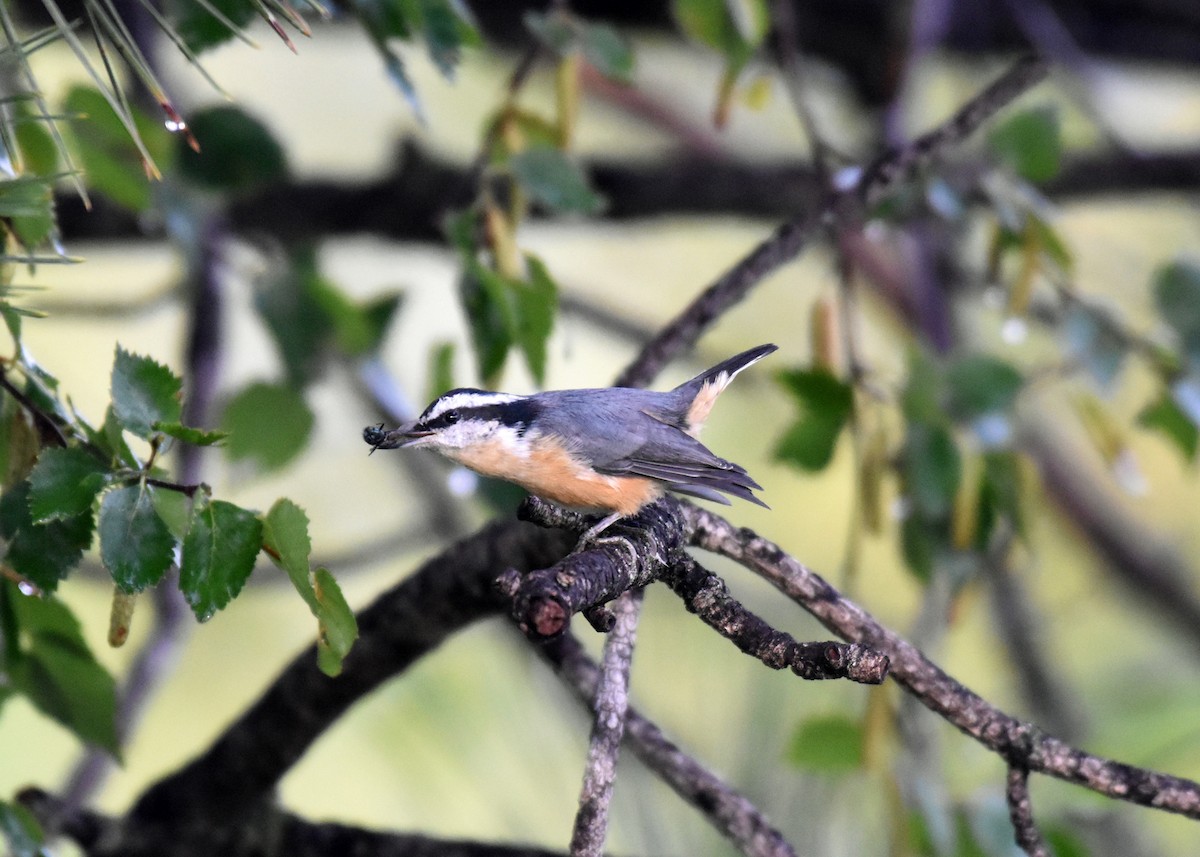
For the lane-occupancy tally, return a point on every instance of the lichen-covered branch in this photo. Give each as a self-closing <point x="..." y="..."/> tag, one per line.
<point x="1018" y="742"/>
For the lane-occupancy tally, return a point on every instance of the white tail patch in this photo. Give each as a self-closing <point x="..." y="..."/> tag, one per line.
<point x="702" y="405"/>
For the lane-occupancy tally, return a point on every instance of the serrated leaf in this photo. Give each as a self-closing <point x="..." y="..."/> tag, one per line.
<point x="144" y="392"/>
<point x="135" y="545"/>
<point x="1166" y="417"/>
<point x="285" y="533"/>
<point x="268" y="424"/>
<point x="978" y="384"/>
<point x="1030" y="143"/>
<point x="189" y="434"/>
<point x="21" y="831"/>
<point x="175" y="509"/>
<point x="64" y="483"/>
<point x="553" y="179"/>
<point x="43" y="553"/>
<point x="826" y="405"/>
<point x="238" y="153"/>
<point x="218" y="555"/>
<point x="57" y="672"/>
<point x="830" y="744"/>
<point x="337" y="628"/>
<point x="537" y="305"/>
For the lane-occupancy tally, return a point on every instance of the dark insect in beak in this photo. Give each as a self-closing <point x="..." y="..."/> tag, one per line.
<point x="397" y="437"/>
<point x="374" y="435"/>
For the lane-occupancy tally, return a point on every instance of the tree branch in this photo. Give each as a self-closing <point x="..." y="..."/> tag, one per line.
<point x="610" y="707"/>
<point x="728" y="811"/>
<point x="1020" y="810"/>
<point x="1017" y="742"/>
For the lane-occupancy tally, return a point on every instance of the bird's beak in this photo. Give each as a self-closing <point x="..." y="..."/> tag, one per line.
<point x="400" y="436"/>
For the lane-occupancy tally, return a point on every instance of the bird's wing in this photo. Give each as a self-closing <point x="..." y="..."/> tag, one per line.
<point x="684" y="464"/>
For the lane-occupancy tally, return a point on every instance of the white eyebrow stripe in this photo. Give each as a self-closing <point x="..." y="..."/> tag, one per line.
<point x="468" y="400"/>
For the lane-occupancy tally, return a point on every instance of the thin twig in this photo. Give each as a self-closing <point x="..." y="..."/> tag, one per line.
<point x="1016" y="741"/>
<point x="790" y="238"/>
<point x="1020" y="810"/>
<point x="608" y="728"/>
<point x="730" y="812"/>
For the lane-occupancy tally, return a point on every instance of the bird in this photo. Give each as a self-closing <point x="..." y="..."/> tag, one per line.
<point x="609" y="449"/>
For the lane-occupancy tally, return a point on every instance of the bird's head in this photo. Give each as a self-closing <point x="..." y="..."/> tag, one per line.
<point x="457" y="420"/>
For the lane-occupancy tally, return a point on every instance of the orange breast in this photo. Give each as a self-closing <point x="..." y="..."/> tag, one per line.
<point x="552" y="473"/>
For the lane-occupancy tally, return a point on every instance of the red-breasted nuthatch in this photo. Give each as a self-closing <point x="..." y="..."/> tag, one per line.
<point x="613" y="449"/>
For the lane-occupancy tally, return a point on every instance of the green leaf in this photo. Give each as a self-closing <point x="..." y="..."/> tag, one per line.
<point x="200" y="29"/>
<point x="1000" y="496"/>
<point x="64" y="483"/>
<point x="1064" y="841"/>
<point x="919" y="542"/>
<point x="301" y="309"/>
<point x="38" y="149"/>
<point x="446" y="30"/>
<point x="1165" y="416"/>
<point x="175" y="509"/>
<point x="111" y="161"/>
<point x="1177" y="294"/>
<point x="608" y="52"/>
<point x="1030" y="143"/>
<point x="285" y="533"/>
<point x="237" y="152"/>
<point x="56" y="671"/>
<point x="268" y="424"/>
<point x="978" y="384"/>
<point x="188" y="434"/>
<point x="1094" y="339"/>
<point x="537" y="304"/>
<point x="43" y="553"/>
<point x="602" y="45"/>
<point x="27" y="204"/>
<point x="830" y="744"/>
<point x="553" y="179"/>
<point x="826" y="405"/>
<point x="932" y="469"/>
<point x="21" y="831"/>
<point x="489" y="313"/>
<point x="337" y="628"/>
<point x="218" y="556"/>
<point x="441" y="370"/>
<point x="358" y="329"/>
<point x="734" y="27"/>
<point x="135" y="545"/>
<point x="144" y="392"/>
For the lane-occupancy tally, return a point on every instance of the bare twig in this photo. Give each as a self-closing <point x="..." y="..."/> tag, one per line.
<point x="789" y="239"/>
<point x="730" y="812"/>
<point x="1018" y="742"/>
<point x="705" y="594"/>
<point x="611" y="703"/>
<point x="1020" y="810"/>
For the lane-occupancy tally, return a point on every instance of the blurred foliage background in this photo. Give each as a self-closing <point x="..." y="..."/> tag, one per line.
<point x="1035" y="298"/>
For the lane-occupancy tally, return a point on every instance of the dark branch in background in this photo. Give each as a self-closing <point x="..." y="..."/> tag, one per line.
<point x="729" y="812"/>
<point x="1017" y="742"/>
<point x="1151" y="569"/>
<point x="610" y="705"/>
<point x="443" y="596"/>
<point x="409" y="205"/>
<point x="278" y="832"/>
